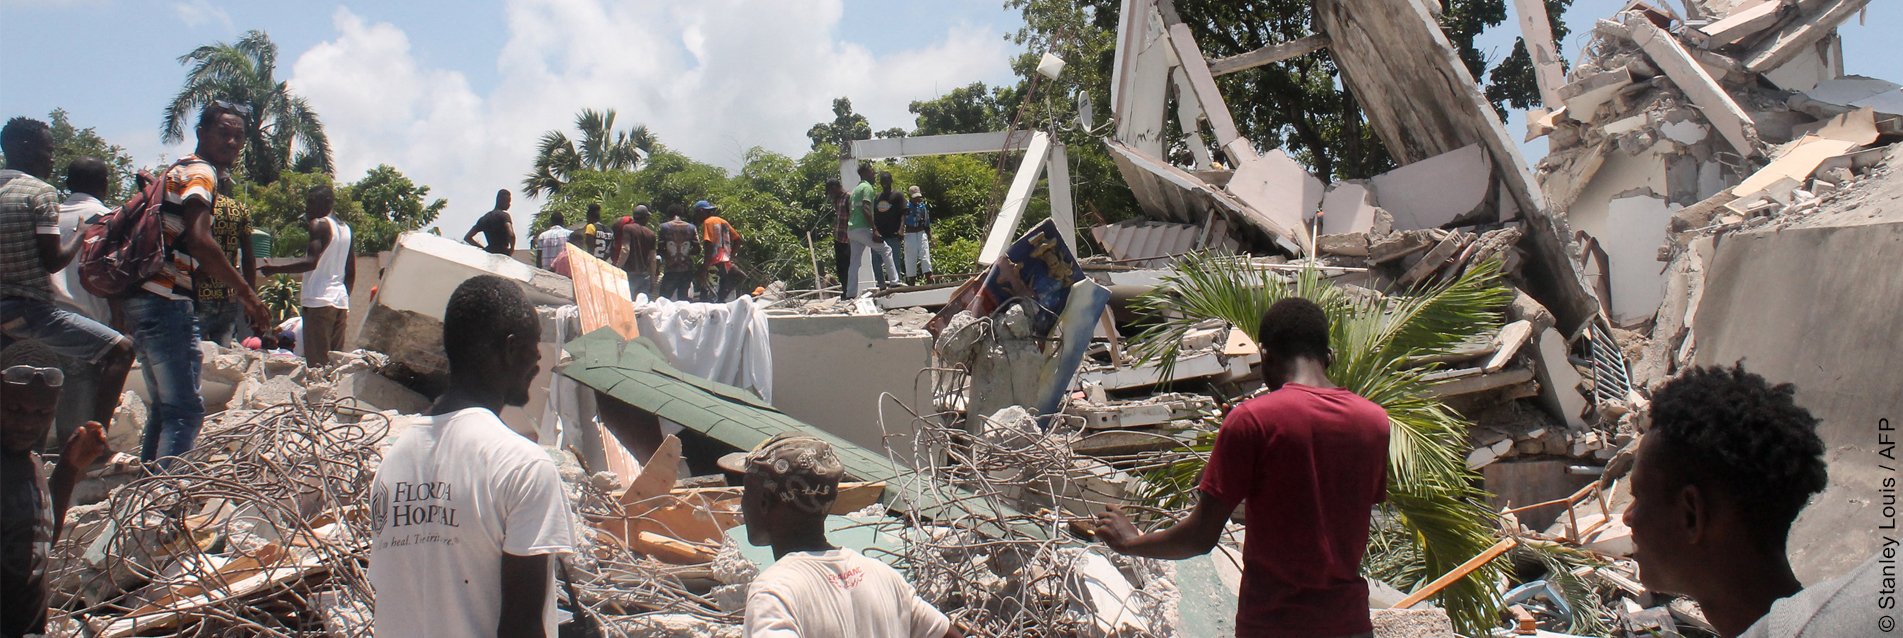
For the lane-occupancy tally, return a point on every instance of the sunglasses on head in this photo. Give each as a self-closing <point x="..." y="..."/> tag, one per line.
<point x="242" y="110"/>
<point x="24" y="375"/>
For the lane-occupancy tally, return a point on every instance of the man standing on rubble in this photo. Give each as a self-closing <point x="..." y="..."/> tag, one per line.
<point x="161" y="315"/>
<point x="550" y="245"/>
<point x="32" y="506"/>
<point x="814" y="588"/>
<point x="638" y="254"/>
<point x="497" y="228"/>
<point x="218" y="311"/>
<point x="1729" y="462"/>
<point x="1310" y="459"/>
<point x="466" y="515"/>
<point x="325" y="295"/>
<point x="722" y="249"/>
<point x="866" y="241"/>
<point x="680" y="255"/>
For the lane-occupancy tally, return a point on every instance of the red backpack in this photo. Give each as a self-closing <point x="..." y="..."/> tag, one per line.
<point x="127" y="246"/>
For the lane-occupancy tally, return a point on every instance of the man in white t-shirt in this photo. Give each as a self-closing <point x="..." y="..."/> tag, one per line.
<point x="468" y="515"/>
<point x="552" y="242"/>
<point x="813" y="589"/>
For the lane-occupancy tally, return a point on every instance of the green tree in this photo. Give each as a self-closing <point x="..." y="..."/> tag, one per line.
<point x="391" y="204"/>
<point x="600" y="148"/>
<point x="1297" y="105"/>
<point x="973" y="108"/>
<point x="282" y="134"/>
<point x="71" y="143"/>
<point x="846" y="126"/>
<point x="278" y="208"/>
<point x="1431" y="493"/>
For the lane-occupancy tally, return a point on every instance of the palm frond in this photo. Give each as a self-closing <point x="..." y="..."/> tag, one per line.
<point x="1431" y="493"/>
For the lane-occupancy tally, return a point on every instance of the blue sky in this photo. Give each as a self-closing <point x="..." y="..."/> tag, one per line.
<point x="455" y="93"/>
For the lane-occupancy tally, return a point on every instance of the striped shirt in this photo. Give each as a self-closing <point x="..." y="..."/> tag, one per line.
<point x="191" y="179"/>
<point x="28" y="208"/>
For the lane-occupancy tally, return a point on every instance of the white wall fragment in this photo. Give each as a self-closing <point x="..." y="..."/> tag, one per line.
<point x="1431" y="192"/>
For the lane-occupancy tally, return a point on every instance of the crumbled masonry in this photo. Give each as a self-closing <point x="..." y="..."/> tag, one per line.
<point x="1710" y="164"/>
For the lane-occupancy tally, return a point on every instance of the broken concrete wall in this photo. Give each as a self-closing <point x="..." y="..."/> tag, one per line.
<point x="1423" y="103"/>
<point x="829" y="369"/>
<point x="1806" y="305"/>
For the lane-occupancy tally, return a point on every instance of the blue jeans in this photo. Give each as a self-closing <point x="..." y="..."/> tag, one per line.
<point x="165" y="334"/>
<point x="218" y="320"/>
<point x="60" y="330"/>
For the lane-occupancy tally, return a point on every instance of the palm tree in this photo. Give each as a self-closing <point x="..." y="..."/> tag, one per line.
<point x="1433" y="498"/>
<point x="601" y="148"/>
<point x="282" y="133"/>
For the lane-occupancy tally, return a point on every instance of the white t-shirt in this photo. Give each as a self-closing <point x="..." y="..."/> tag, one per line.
<point x="449" y="500"/>
<point x="78" y="208"/>
<point x="552" y="242"/>
<point x="837" y="594"/>
<point x="1848" y="607"/>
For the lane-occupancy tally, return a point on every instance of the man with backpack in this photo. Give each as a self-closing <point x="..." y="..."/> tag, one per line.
<point x="31" y="251"/>
<point x="159" y="309"/>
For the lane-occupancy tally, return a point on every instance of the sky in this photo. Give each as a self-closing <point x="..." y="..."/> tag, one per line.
<point x="455" y="94"/>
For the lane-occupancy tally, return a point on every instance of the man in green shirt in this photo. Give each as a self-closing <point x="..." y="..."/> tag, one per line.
<point x="864" y="237"/>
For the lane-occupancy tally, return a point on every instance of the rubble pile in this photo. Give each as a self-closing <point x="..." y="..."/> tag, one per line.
<point x="260" y="530"/>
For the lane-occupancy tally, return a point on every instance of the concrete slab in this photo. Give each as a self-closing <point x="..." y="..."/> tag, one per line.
<point x="1685" y="73"/>
<point x="832" y="370"/>
<point x="1559" y="380"/>
<point x="1280" y="187"/>
<point x="1803" y="304"/>
<point x="1636" y="228"/>
<point x="1347" y="208"/>
<point x="1434" y="191"/>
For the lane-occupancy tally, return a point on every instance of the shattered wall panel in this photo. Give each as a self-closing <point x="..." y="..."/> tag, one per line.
<point x="1803" y="305"/>
<point x="1423" y="103"/>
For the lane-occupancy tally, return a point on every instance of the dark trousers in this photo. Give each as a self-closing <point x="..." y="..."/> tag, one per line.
<point x="842" y="260"/>
<point x="640" y="283"/>
<point x="674" y="285"/>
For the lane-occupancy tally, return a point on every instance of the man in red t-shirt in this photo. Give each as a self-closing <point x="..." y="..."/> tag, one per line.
<point x="1310" y="459"/>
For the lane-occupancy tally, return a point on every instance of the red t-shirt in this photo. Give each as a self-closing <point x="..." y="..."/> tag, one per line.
<point x="1311" y="463"/>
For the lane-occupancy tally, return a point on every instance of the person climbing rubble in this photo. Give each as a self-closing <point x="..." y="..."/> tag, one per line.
<point x="1310" y="459"/>
<point x="815" y="588"/>
<point x="467" y="515"/>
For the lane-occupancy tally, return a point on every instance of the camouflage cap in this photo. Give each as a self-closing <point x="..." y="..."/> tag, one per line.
<point x="798" y="470"/>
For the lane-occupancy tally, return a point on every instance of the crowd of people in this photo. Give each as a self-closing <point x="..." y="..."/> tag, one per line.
<point x="470" y="520"/>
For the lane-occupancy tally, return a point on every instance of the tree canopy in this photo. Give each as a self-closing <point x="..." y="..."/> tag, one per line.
<point x="282" y="133"/>
<point x="559" y="159"/>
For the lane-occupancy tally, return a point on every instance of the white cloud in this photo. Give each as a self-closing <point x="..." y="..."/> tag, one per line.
<point x="195" y="13"/>
<point x="710" y="78"/>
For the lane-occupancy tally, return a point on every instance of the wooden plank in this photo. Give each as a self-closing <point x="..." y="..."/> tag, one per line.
<point x="1270" y="54"/>
<point x="602" y="298"/>
<point x="1458" y="573"/>
<point x="1204" y="85"/>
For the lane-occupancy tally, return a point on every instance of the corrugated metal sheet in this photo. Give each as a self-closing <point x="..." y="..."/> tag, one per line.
<point x="1177" y="195"/>
<point x="1151" y="244"/>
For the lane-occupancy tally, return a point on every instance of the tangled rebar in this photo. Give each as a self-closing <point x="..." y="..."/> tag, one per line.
<point x="257" y="531"/>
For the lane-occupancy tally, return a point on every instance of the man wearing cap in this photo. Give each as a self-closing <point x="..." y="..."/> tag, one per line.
<point x="636" y="250"/>
<point x="722" y="246"/>
<point x="32" y="507"/>
<point x="918" y="238"/>
<point x="814" y="588"/>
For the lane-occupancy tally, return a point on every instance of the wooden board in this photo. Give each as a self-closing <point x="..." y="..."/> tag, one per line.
<point x="602" y="296"/>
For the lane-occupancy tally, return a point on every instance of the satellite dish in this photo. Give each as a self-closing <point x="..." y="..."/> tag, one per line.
<point x="1086" y="113"/>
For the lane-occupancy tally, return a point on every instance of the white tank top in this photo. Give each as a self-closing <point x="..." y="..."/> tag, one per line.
<point x="324" y="285"/>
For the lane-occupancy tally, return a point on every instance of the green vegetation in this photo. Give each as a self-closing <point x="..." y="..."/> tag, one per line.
<point x="1440" y="516"/>
<point x="282" y="134"/>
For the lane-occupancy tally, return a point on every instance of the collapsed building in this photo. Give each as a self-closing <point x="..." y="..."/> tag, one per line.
<point x="1715" y="184"/>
